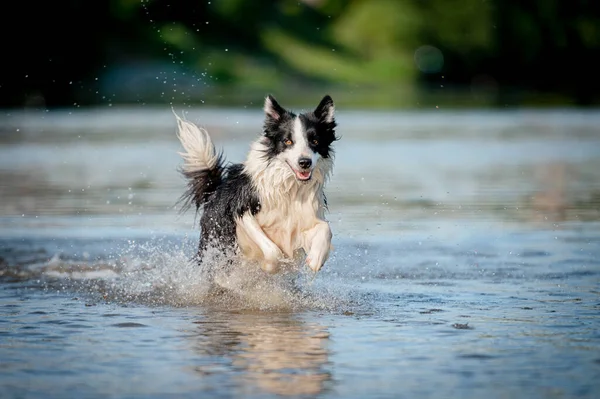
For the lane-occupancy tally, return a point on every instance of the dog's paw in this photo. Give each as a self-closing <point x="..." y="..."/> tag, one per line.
<point x="315" y="264"/>
<point x="272" y="259"/>
<point x="317" y="256"/>
<point x="270" y="267"/>
<point x="319" y="239"/>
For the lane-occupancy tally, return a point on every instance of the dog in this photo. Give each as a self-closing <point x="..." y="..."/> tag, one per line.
<point x="270" y="209"/>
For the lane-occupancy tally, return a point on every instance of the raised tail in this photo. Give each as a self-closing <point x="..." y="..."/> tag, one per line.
<point x="202" y="166"/>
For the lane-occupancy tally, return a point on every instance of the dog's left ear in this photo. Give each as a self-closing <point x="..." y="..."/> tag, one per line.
<point x="325" y="110"/>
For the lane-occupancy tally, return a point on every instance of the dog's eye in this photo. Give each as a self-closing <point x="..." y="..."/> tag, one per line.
<point x="315" y="142"/>
<point x="288" y="142"/>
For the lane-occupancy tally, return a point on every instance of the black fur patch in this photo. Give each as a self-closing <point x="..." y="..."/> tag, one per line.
<point x="277" y="131"/>
<point x="234" y="198"/>
<point x="320" y="131"/>
<point x="201" y="185"/>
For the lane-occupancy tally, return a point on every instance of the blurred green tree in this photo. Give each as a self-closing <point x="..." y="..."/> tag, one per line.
<point x="62" y="53"/>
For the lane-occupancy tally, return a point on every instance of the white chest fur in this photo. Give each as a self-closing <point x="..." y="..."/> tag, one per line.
<point x="286" y="219"/>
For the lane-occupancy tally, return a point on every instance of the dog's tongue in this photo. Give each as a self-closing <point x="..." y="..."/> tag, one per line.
<point x="302" y="175"/>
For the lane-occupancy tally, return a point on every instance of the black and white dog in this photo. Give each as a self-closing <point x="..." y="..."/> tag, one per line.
<point x="270" y="208"/>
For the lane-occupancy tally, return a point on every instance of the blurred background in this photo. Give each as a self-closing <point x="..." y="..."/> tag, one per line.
<point x="366" y="53"/>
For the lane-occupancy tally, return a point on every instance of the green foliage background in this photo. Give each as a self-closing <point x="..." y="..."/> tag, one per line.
<point x="367" y="53"/>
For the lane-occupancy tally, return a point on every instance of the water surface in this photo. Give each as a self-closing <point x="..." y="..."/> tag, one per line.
<point x="466" y="263"/>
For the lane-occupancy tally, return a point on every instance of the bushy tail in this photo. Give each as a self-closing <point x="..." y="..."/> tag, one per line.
<point x="202" y="167"/>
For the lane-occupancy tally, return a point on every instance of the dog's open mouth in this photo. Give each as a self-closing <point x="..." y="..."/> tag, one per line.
<point x="302" y="175"/>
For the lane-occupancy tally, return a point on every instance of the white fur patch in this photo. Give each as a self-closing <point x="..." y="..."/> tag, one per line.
<point x="330" y="114"/>
<point x="300" y="148"/>
<point x="250" y="234"/>
<point x="199" y="151"/>
<point x="298" y="135"/>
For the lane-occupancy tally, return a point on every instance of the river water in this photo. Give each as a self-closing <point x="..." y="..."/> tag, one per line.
<point x="466" y="262"/>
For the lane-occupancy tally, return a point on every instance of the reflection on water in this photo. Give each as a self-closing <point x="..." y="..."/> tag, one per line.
<point x="279" y="354"/>
<point x="550" y="200"/>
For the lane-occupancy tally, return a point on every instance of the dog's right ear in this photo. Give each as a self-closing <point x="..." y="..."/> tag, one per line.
<point x="273" y="110"/>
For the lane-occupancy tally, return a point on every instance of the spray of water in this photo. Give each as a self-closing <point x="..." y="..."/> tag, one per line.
<point x="156" y="273"/>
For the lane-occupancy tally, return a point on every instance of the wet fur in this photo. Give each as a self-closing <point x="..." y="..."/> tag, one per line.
<point x="260" y="208"/>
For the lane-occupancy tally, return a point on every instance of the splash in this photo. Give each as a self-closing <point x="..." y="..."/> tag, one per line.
<point x="158" y="273"/>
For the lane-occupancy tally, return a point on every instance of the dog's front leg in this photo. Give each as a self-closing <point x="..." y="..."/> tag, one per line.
<point x="270" y="250"/>
<point x="317" y="245"/>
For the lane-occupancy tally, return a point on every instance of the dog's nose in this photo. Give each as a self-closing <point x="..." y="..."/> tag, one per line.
<point x="304" y="163"/>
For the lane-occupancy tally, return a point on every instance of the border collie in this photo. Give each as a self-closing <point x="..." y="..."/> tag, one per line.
<point x="269" y="209"/>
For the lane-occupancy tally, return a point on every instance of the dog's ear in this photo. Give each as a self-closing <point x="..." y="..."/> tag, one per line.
<point x="325" y="110"/>
<point x="273" y="110"/>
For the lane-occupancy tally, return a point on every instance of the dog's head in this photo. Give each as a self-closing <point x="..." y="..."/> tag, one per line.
<point x="300" y="140"/>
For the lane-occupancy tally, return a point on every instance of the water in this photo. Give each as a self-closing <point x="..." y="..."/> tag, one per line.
<point x="466" y="263"/>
